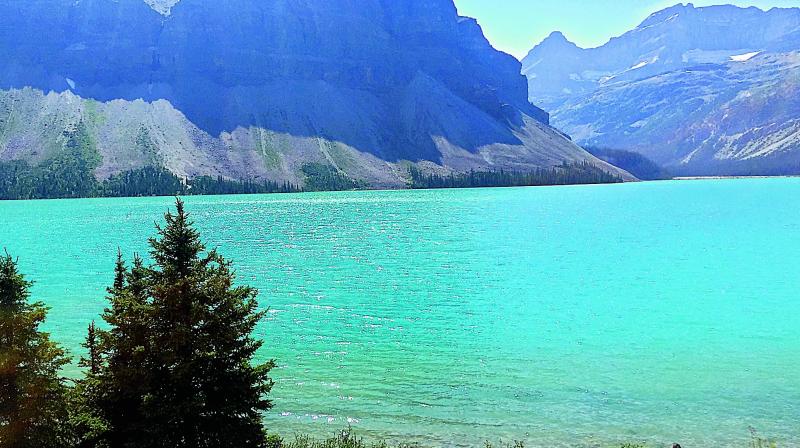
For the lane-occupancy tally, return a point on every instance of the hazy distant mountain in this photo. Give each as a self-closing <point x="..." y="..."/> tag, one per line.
<point x="703" y="90"/>
<point x="676" y="38"/>
<point x="251" y="88"/>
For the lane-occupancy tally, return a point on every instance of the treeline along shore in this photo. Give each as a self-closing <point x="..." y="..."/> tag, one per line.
<point x="171" y="366"/>
<point x="73" y="177"/>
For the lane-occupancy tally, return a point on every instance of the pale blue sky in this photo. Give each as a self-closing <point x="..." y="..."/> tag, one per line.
<point x="515" y="26"/>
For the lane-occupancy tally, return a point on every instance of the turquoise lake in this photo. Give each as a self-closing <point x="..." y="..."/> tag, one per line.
<point x="562" y="316"/>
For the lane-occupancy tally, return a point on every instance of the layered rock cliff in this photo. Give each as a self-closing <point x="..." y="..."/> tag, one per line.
<point x="254" y="89"/>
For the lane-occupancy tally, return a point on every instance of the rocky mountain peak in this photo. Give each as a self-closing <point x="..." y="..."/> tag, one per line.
<point x="555" y="43"/>
<point x="557" y="39"/>
<point x="705" y="90"/>
<point x="679" y="37"/>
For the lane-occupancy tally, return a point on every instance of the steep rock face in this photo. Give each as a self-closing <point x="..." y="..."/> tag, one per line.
<point x="355" y="75"/>
<point x="703" y="91"/>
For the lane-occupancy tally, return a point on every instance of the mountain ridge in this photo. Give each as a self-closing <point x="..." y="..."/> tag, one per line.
<point x="703" y="91"/>
<point x="676" y="37"/>
<point x="311" y="72"/>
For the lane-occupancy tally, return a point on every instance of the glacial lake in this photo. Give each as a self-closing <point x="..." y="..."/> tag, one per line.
<point x="562" y="316"/>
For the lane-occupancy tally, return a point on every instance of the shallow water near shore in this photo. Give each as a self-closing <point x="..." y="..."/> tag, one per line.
<point x="561" y="316"/>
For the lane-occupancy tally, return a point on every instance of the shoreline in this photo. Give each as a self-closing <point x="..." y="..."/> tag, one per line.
<point x="680" y="178"/>
<point x="785" y="176"/>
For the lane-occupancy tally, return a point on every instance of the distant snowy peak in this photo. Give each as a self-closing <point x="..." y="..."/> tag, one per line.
<point x="705" y="90"/>
<point x="714" y="13"/>
<point x="163" y="7"/>
<point x="677" y="38"/>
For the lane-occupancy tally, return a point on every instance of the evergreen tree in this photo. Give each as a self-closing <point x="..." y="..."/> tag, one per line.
<point x="322" y="177"/>
<point x="32" y="394"/>
<point x="70" y="175"/>
<point x="92" y="363"/>
<point x="565" y="174"/>
<point x="125" y="380"/>
<point x="87" y="426"/>
<point x="179" y="367"/>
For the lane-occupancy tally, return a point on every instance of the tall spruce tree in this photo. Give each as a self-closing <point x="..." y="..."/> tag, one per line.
<point x="125" y="380"/>
<point x="87" y="426"/>
<point x="179" y="370"/>
<point x="32" y="392"/>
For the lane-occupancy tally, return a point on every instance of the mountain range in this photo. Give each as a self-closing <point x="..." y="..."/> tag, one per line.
<point x="702" y="91"/>
<point x="249" y="89"/>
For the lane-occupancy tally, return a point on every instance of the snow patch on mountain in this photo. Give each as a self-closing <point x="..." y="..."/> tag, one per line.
<point x="667" y="20"/>
<point x="643" y="64"/>
<point x="163" y="7"/>
<point x="698" y="56"/>
<point x="744" y="57"/>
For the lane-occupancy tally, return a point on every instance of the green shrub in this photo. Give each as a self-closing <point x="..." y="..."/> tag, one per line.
<point x="344" y="439"/>
<point x="757" y="442"/>
<point x="516" y="444"/>
<point x="274" y="441"/>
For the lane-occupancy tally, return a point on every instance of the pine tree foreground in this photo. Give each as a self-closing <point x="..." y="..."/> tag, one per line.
<point x="175" y="368"/>
<point x="33" y="413"/>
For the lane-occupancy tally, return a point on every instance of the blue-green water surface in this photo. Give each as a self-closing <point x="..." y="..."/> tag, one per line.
<point x="564" y="316"/>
